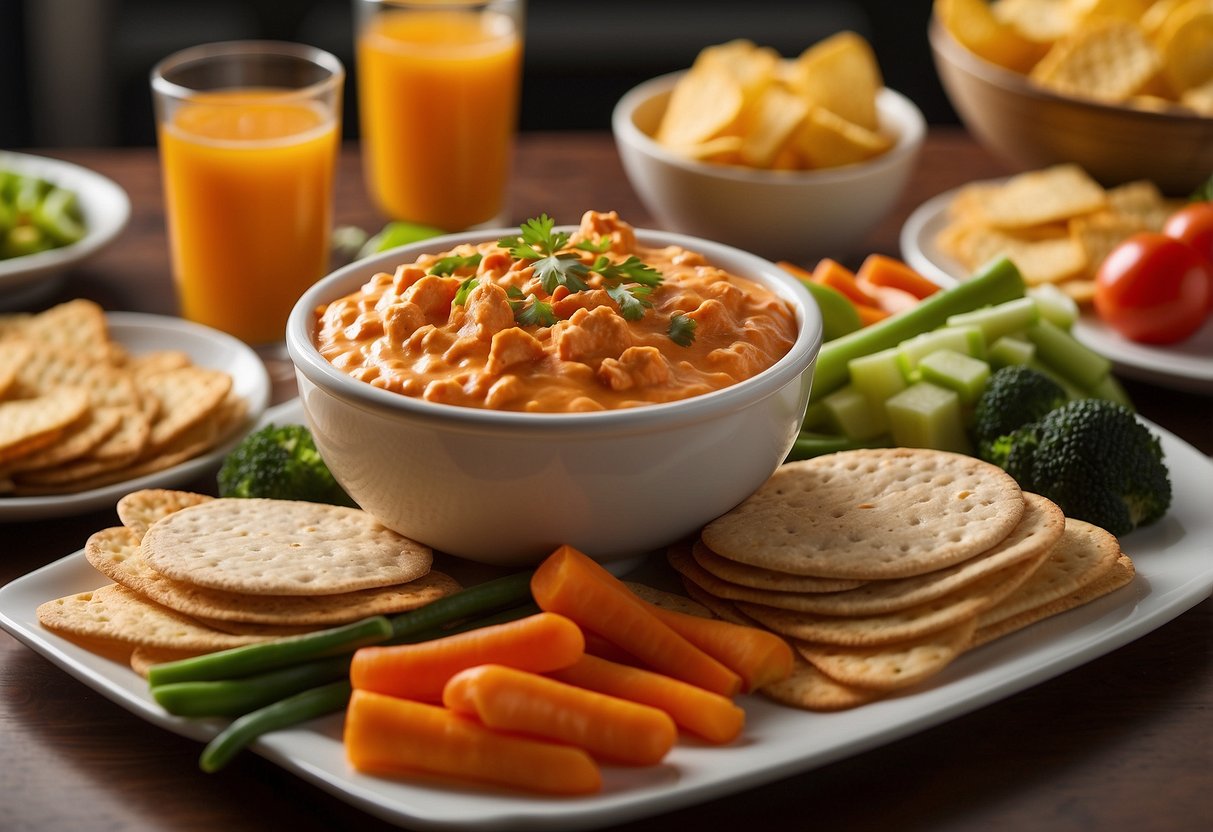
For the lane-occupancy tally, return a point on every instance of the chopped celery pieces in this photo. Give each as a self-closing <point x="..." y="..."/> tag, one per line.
<point x="963" y="339"/>
<point x="878" y="375"/>
<point x="1054" y="305"/>
<point x="1002" y="319"/>
<point x="856" y="416"/>
<point x="998" y="282"/>
<point x="956" y="371"/>
<point x="925" y="415"/>
<point x="1010" y="349"/>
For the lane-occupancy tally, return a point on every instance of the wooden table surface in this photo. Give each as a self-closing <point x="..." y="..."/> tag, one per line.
<point x="1122" y="743"/>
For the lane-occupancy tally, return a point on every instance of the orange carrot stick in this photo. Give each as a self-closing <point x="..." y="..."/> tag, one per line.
<point x="389" y="736"/>
<point x="609" y="728"/>
<point x="887" y="271"/>
<point x="541" y="642"/>
<point x="570" y="583"/>
<point x="708" y="715"/>
<point x="596" y="645"/>
<point x="837" y="276"/>
<point x="869" y="315"/>
<point x="758" y="656"/>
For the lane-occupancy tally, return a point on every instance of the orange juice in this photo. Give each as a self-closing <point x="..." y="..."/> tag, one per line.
<point x="248" y="180"/>
<point x="438" y="96"/>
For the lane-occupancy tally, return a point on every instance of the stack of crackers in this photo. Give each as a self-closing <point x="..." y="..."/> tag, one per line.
<point x="882" y="566"/>
<point x="1056" y="224"/>
<point x="192" y="574"/>
<point x="78" y="412"/>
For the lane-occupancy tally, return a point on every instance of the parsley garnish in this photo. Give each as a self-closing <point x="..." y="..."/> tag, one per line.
<point x="465" y="289"/>
<point x="453" y="263"/>
<point x="681" y="329"/>
<point x="533" y="312"/>
<point x="629" y="283"/>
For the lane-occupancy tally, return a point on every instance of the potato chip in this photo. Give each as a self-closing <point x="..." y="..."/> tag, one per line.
<point x="1186" y="43"/>
<point x="703" y="104"/>
<point x="1042" y="21"/>
<point x="827" y="140"/>
<point x="840" y="74"/>
<point x="973" y="24"/>
<point x="776" y="115"/>
<point x="1109" y="60"/>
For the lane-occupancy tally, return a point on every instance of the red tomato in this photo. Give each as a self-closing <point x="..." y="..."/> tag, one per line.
<point x="1194" y="225"/>
<point x="1154" y="289"/>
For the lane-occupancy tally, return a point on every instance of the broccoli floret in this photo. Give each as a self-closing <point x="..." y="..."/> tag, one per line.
<point x="1013" y="397"/>
<point x="280" y="462"/>
<point x="1095" y="460"/>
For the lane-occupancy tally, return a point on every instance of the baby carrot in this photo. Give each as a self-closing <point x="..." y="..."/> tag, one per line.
<point x="880" y="270"/>
<point x="540" y="642"/>
<point x="758" y="656"/>
<point x="708" y="715"/>
<point x="391" y="736"/>
<point x="570" y="583"/>
<point x="609" y="728"/>
<point x="837" y="276"/>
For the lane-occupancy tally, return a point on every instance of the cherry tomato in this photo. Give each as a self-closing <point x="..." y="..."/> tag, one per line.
<point x="1194" y="225"/>
<point x="1154" y="289"/>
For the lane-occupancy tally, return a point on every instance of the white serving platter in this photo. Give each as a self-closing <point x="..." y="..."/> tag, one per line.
<point x="1174" y="573"/>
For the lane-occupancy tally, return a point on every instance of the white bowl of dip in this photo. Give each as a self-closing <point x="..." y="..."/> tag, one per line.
<point x="506" y="487"/>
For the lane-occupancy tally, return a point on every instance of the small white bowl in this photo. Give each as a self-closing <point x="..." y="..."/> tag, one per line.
<point x="507" y="488"/>
<point x="794" y="215"/>
<point x="106" y="209"/>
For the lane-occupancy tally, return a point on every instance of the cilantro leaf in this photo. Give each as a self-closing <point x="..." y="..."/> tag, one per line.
<point x="599" y="247"/>
<point x="453" y="263"/>
<point x="633" y="269"/>
<point x="533" y="312"/>
<point x="681" y="329"/>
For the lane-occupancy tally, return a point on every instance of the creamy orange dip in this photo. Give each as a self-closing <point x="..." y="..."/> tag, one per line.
<point x="470" y="337"/>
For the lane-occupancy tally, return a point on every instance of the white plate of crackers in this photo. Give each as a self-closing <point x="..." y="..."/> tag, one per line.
<point x="946" y="240"/>
<point x="112" y="402"/>
<point x="1169" y="573"/>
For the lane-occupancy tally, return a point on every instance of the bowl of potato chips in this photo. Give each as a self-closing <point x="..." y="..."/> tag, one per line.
<point x="789" y="158"/>
<point x="1124" y="88"/>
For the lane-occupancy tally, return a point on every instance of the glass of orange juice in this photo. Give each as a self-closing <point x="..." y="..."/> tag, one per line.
<point x="438" y="87"/>
<point x="249" y="133"/>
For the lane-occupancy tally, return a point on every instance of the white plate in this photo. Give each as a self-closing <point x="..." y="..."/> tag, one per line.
<point x="1185" y="366"/>
<point x="206" y="347"/>
<point x="106" y="209"/>
<point x="1174" y="573"/>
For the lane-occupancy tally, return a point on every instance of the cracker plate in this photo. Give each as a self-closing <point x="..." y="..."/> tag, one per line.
<point x="1174" y="574"/>
<point x="206" y="347"/>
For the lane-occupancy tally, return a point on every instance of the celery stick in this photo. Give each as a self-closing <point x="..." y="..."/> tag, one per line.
<point x="1003" y="319"/>
<point x="997" y="282"/>
<point x="1057" y="349"/>
<point x="966" y="339"/>
<point x="1054" y="305"/>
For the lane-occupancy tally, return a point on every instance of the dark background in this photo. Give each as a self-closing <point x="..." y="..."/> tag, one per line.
<point x="74" y="73"/>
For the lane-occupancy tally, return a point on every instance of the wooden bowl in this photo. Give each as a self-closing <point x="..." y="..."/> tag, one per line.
<point x="1028" y="127"/>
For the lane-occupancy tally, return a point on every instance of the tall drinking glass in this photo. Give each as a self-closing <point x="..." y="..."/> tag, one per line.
<point x="438" y="86"/>
<point x="249" y="133"/>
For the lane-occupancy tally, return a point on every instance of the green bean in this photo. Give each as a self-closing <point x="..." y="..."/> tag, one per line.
<point x="477" y="600"/>
<point x="270" y="655"/>
<point x="235" y="697"/>
<point x="309" y="704"/>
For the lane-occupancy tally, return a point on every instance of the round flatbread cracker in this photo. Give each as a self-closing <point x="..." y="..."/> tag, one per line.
<point x="281" y="547"/>
<point x="871" y="514"/>
<point x="755" y="577"/>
